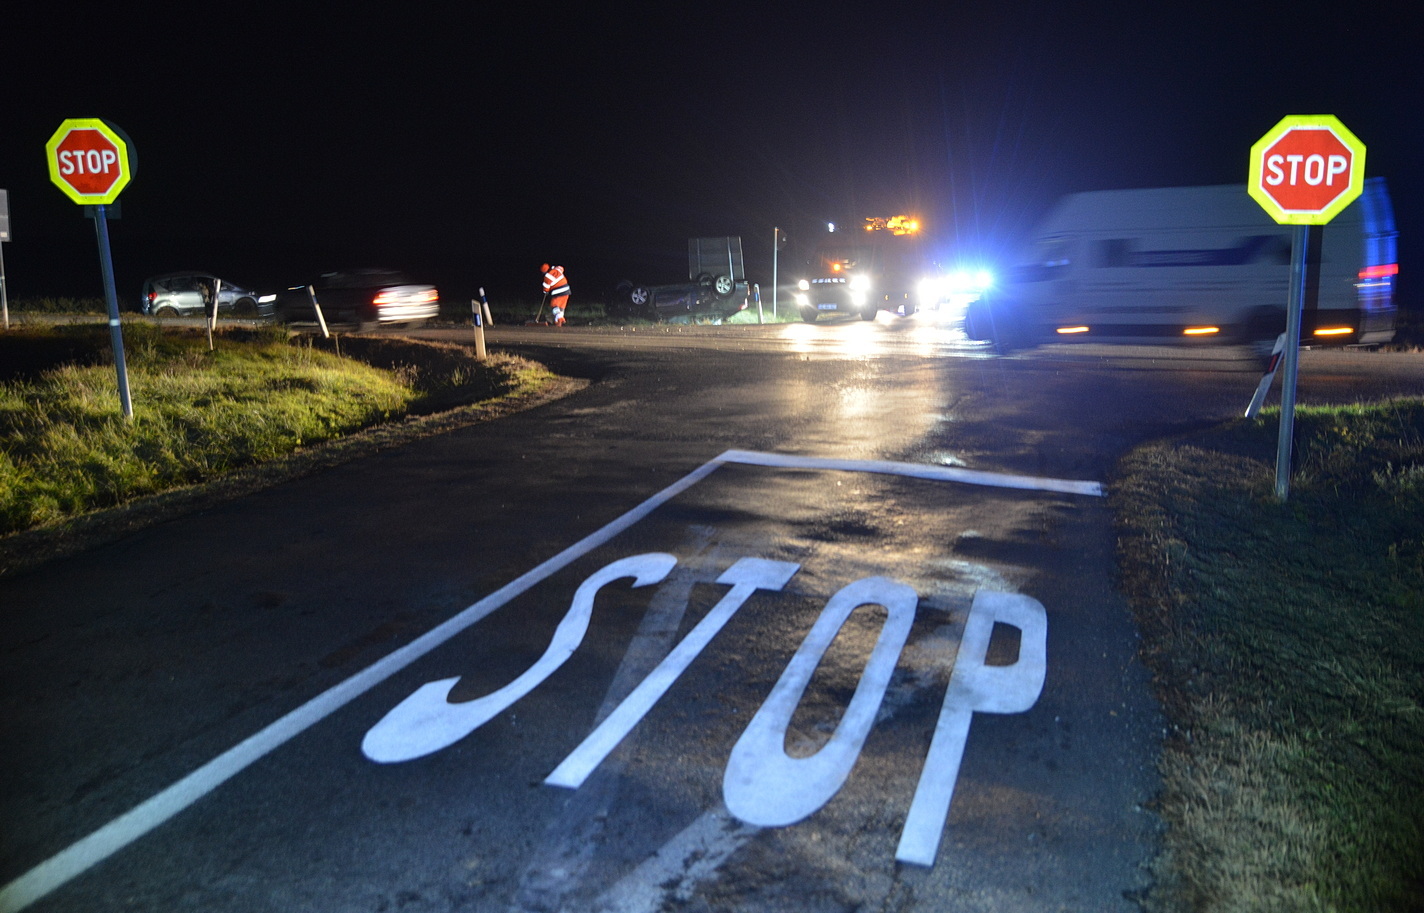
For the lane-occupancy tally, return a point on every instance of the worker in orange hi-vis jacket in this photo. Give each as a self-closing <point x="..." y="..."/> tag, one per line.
<point x="556" y="286"/>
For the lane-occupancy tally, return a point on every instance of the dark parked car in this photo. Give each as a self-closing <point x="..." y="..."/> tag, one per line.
<point x="182" y="294"/>
<point x="368" y="298"/>
<point x="717" y="286"/>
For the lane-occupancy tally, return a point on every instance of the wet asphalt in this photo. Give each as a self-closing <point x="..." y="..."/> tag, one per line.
<point x="256" y="643"/>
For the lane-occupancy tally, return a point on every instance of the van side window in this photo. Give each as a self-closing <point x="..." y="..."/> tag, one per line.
<point x="1113" y="252"/>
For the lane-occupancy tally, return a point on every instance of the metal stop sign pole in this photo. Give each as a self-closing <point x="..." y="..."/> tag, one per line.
<point x="1300" y="247"/>
<point x="111" y="298"/>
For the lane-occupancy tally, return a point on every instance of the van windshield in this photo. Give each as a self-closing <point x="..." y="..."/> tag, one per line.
<point x="1049" y="259"/>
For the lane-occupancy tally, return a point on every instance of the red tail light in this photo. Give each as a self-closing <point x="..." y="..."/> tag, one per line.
<point x="1379" y="272"/>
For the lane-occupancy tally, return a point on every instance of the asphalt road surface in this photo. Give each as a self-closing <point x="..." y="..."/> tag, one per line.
<point x="765" y="618"/>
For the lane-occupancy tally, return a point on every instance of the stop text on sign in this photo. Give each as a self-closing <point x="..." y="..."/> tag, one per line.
<point x="1306" y="169"/>
<point x="1316" y="168"/>
<point x="89" y="161"/>
<point x="94" y="162"/>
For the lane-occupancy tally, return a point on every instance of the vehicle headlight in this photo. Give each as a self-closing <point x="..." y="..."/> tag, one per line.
<point x="932" y="290"/>
<point x="804" y="285"/>
<point x="263" y="299"/>
<point x="860" y="283"/>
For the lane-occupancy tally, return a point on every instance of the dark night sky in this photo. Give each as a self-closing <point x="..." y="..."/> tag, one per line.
<point x="470" y="145"/>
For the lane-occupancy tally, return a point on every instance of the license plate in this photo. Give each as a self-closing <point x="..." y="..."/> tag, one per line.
<point x="826" y="307"/>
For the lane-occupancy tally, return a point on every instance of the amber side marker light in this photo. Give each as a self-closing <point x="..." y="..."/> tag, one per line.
<point x="1201" y="331"/>
<point x="1334" y="331"/>
<point x="1069" y="331"/>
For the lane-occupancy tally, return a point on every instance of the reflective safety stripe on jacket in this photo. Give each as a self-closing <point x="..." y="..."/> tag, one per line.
<point x="555" y="283"/>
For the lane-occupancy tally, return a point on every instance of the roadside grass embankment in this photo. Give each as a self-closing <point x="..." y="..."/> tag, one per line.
<point x="1287" y="645"/>
<point x="20" y="308"/>
<point x="201" y="416"/>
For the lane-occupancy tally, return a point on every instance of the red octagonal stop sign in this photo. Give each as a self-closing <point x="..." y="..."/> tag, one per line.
<point x="88" y="161"/>
<point x="1307" y="169"/>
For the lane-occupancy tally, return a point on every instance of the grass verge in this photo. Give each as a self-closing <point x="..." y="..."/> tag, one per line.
<point x="210" y="425"/>
<point x="1287" y="644"/>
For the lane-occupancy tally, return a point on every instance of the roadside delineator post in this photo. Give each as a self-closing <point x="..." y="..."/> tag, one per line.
<point x="1265" y="385"/>
<point x="479" y="324"/>
<point x="4" y="236"/>
<point x="484" y="304"/>
<point x="320" y="318"/>
<point x="213" y="312"/>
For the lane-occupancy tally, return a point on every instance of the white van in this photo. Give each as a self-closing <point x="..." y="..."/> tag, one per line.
<point x="1183" y="265"/>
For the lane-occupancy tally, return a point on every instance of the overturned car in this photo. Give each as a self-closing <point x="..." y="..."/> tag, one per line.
<point x="716" y="286"/>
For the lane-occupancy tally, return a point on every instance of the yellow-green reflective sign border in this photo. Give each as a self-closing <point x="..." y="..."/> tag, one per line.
<point x="88" y="161"/>
<point x="1299" y="162"/>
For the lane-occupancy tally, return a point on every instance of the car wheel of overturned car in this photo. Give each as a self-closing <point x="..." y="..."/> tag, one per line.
<point x="641" y="297"/>
<point x="616" y="304"/>
<point x="724" y="286"/>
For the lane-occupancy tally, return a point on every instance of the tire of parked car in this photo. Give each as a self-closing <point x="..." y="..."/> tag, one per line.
<point x="165" y="311"/>
<point x="808" y="313"/>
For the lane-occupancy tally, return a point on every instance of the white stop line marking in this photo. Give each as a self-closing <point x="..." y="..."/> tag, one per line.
<point x="87" y="852"/>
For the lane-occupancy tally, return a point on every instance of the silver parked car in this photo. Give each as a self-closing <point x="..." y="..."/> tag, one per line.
<point x="182" y="294"/>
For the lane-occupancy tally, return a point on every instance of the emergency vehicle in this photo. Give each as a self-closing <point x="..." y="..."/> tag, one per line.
<point x="884" y="265"/>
